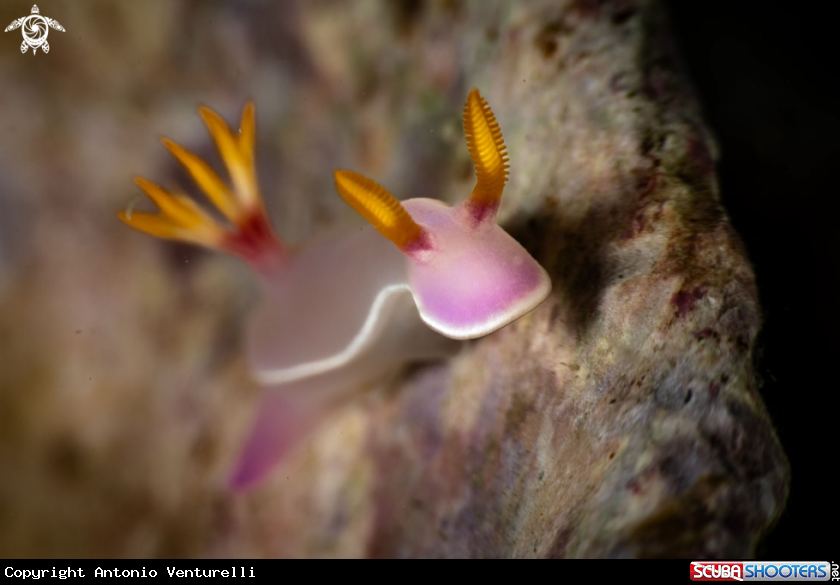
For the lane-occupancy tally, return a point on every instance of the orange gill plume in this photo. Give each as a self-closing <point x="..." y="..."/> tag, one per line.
<point x="247" y="232"/>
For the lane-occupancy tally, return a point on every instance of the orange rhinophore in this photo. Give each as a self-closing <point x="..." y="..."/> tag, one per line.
<point x="487" y="149"/>
<point x="379" y="207"/>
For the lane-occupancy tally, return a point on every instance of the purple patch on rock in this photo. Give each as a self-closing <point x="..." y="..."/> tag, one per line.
<point x="685" y="300"/>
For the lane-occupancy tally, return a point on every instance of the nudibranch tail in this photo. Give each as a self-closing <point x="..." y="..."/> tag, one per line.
<point x="488" y="152"/>
<point x="181" y="218"/>
<point x="380" y="208"/>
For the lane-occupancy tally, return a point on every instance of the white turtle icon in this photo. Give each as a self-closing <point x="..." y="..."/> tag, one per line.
<point x="35" y="30"/>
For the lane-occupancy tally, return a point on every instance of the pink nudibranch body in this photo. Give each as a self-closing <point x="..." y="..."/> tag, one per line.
<point x="477" y="278"/>
<point x="348" y="307"/>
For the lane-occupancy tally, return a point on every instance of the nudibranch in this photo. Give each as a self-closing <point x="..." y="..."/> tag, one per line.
<point x="349" y="306"/>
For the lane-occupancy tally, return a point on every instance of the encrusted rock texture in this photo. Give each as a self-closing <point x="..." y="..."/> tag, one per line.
<point x="619" y="419"/>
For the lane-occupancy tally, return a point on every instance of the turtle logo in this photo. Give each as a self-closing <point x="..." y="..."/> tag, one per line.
<point x="35" y="30"/>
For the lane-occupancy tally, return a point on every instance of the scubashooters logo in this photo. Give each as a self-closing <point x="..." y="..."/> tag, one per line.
<point x="759" y="571"/>
<point x="35" y="30"/>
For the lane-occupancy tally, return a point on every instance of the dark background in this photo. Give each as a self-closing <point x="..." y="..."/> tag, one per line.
<point x="767" y="80"/>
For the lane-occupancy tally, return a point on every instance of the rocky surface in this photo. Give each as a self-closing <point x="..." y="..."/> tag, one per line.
<point x="621" y="418"/>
